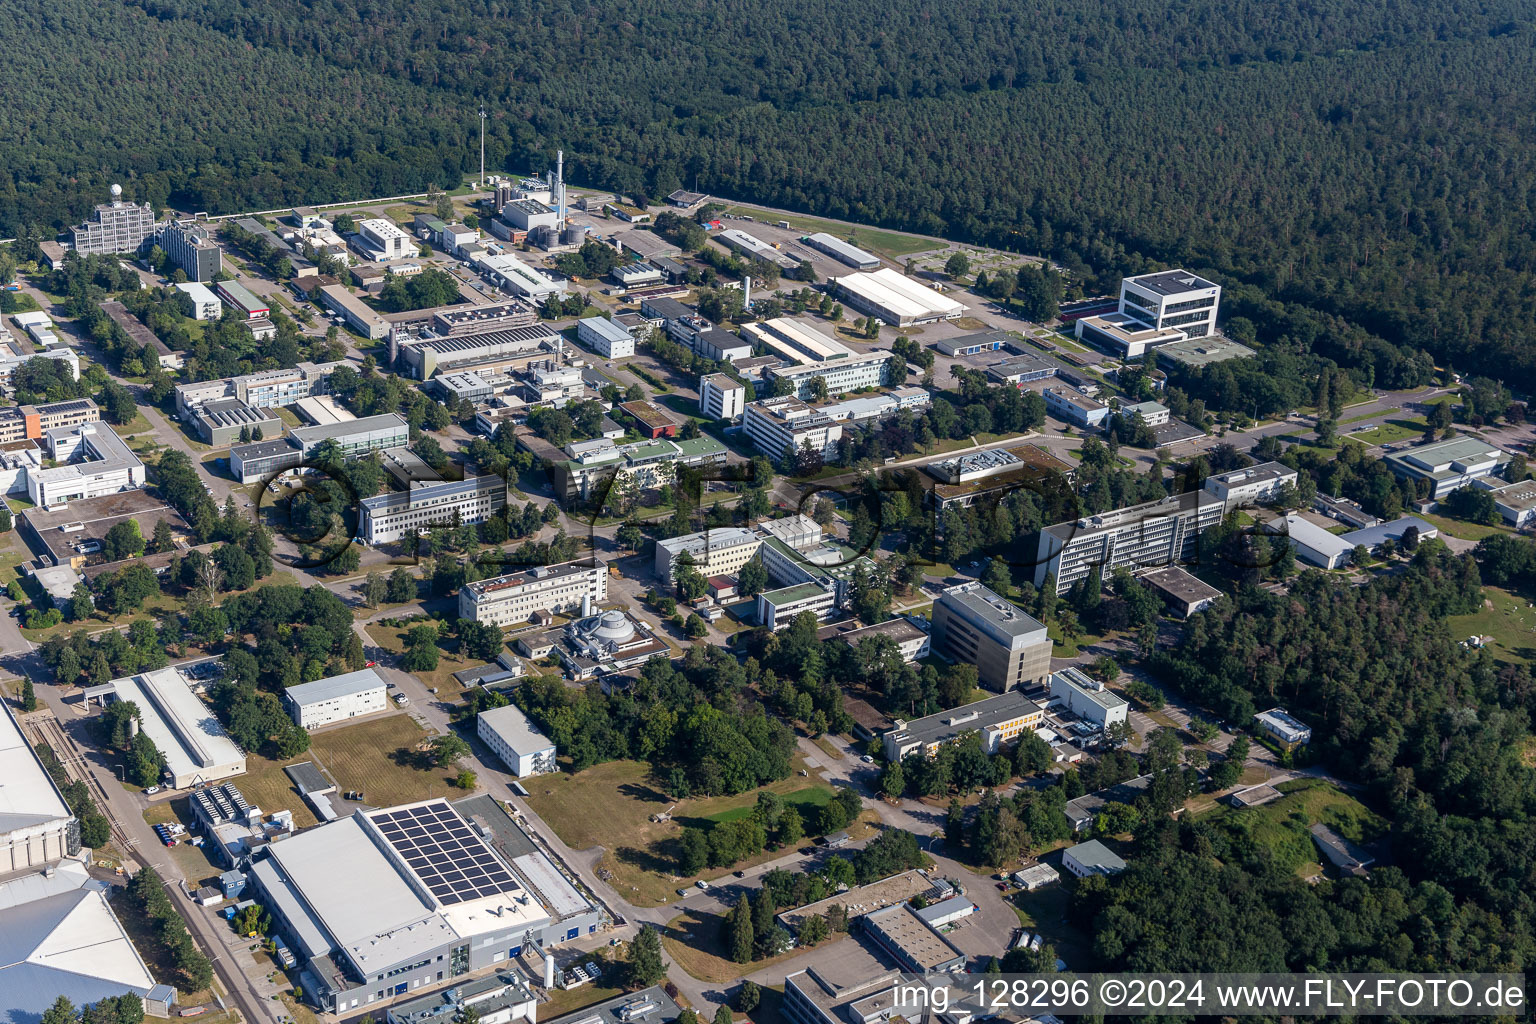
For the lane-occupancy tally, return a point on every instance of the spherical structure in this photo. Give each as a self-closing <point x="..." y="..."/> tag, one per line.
<point x="613" y="625"/>
<point x="117" y="191"/>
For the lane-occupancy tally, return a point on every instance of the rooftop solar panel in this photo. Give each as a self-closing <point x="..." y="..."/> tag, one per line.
<point x="451" y="860"/>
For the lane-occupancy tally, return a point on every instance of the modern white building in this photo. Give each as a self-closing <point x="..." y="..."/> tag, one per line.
<point x="520" y="744"/>
<point x="862" y="370"/>
<point x="336" y="699"/>
<point x="92" y="461"/>
<point x="1123" y="335"/>
<point x="385" y="240"/>
<point x="776" y="425"/>
<point x="597" y="465"/>
<point x="606" y="338"/>
<point x="1313" y="544"/>
<point x="842" y="251"/>
<point x="36" y="826"/>
<point x="974" y="625"/>
<point x="999" y="720"/>
<point x="777" y="609"/>
<point x="515" y="277"/>
<point x="718" y="552"/>
<point x="1284" y="728"/>
<point x="356" y="437"/>
<point x="1087" y="698"/>
<point x="200" y="300"/>
<point x="721" y="397"/>
<point x="886" y="295"/>
<point x="1254" y="485"/>
<point x="385" y="518"/>
<point x="1516" y="502"/>
<point x="1076" y="408"/>
<point x="797" y="341"/>
<point x="754" y="248"/>
<point x="1448" y="465"/>
<point x="196" y="748"/>
<point x="1172" y="298"/>
<point x="358" y="314"/>
<point x="1092" y="858"/>
<point x="1145" y="536"/>
<point x="564" y="589"/>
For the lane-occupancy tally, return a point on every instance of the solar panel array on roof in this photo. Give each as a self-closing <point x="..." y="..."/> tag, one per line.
<point x="445" y="853"/>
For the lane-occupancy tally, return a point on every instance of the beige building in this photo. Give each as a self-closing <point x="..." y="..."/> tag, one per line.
<point x="569" y="588"/>
<point x="974" y="625"/>
<point x="999" y="720"/>
<point x="718" y="552"/>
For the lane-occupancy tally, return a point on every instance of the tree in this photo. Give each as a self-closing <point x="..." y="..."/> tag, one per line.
<point x="61" y="1012"/>
<point x="80" y="606"/>
<point x="748" y="996"/>
<point x="813" y="930"/>
<point x="764" y="928"/>
<point x="892" y="780"/>
<point x="375" y="589"/>
<point x="402" y="587"/>
<point x="122" y="541"/>
<point x="753" y="578"/>
<point x="481" y="640"/>
<point x="466" y="779"/>
<point x="447" y="749"/>
<point x="5" y="518"/>
<point x="958" y="265"/>
<point x="739" y="922"/>
<point x="722" y="1015"/>
<point x="646" y="966"/>
<point x="28" y="695"/>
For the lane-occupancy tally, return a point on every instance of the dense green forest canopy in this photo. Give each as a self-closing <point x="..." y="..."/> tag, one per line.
<point x="1371" y="161"/>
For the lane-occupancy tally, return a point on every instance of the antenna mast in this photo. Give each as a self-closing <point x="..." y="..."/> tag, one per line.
<point x="482" y="145"/>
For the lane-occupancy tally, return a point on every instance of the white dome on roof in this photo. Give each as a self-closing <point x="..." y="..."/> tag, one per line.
<point x="613" y="625"/>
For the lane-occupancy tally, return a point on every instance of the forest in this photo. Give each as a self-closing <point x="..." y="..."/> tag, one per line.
<point x="1358" y="175"/>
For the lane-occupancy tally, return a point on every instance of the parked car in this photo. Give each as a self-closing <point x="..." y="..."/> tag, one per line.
<point x="702" y="884"/>
<point x="371" y="664"/>
<point x="152" y="790"/>
<point x="867" y="759"/>
<point x="682" y="892"/>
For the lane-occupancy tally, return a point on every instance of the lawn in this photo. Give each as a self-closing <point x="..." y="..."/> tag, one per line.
<point x="887" y="243"/>
<point x="137" y="425"/>
<point x="289" y="417"/>
<point x="1391" y="431"/>
<point x="1281" y="827"/>
<point x="1048" y="910"/>
<point x="1508" y="618"/>
<point x="808" y="801"/>
<point x="693" y="941"/>
<point x="392" y="639"/>
<point x="265" y="785"/>
<point x="610" y="805"/>
<point x="1464" y="530"/>
<point x="563" y="1001"/>
<point x="370" y="756"/>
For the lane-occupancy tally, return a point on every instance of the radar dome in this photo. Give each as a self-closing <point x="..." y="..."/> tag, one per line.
<point x="117" y="191"/>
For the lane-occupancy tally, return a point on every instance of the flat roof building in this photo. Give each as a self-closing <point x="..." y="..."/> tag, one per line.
<point x="1375" y="536"/>
<point x="999" y="720"/>
<point x="1516" y="502"/>
<point x="500" y="999"/>
<point x="912" y="642"/>
<point x="72" y="535"/>
<point x="520" y="744"/>
<point x="1008" y="647"/>
<point x="897" y="300"/>
<point x="721" y="551"/>
<point x="753" y="247"/>
<point x="36" y="826"/>
<point x="1172" y="298"/>
<point x="721" y="397"/>
<point x="1254" y="485"/>
<point x="1092" y="858"/>
<point x="115" y="227"/>
<point x="1284" y="728"/>
<point x="359" y="316"/>
<point x="336" y="699"/>
<point x="1076" y="408"/>
<point x="235" y="294"/>
<point x="196" y="748"/>
<point x="974" y="343"/>
<point x="854" y="373"/>
<point x="915" y="944"/>
<point x="356" y="437"/>
<point x="1196" y="353"/>
<point x="1150" y="535"/>
<point x="1087" y="698"/>
<point x="95" y="461"/>
<point x="223" y="420"/>
<point x="777" y="609"/>
<point x="499" y="350"/>
<point x="778" y="425"/>
<point x="797" y="341"/>
<point x="1313" y="544"/>
<point x="842" y="251"/>
<point x="424" y="505"/>
<point x="993" y="473"/>
<point x="593" y="468"/>
<point x="1123" y="335"/>
<point x="608" y="339"/>
<point x="384" y="240"/>
<point x="511" y="599"/>
<point x="515" y="277"/>
<point x="260" y="460"/>
<point x="142" y="336"/>
<point x="1183" y="593"/>
<point x="1022" y="369"/>
<point x="1448" y="465"/>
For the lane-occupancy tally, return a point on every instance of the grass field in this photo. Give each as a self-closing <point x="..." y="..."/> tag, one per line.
<point x="1508" y="618"/>
<point x="366" y="757"/>
<point x="610" y="805"/>
<point x="1391" y="431"/>
<point x="887" y="243"/>
<point x="693" y="941"/>
<point x="392" y="639"/>
<point x="1282" y="827"/>
<point x="1047" y="910"/>
<point x="1465" y="530"/>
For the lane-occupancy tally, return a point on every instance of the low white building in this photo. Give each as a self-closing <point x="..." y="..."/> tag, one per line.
<point x="385" y="240"/>
<point x="1092" y="858"/>
<point x="520" y="744"/>
<point x="93" y="461"/>
<point x="1087" y="698"/>
<point x="606" y="338"/>
<point x="336" y="699"/>
<point x="201" y="300"/>
<point x="1313" y="544"/>
<point x="721" y="551"/>
<point x="196" y="748"/>
<point x="1282" y="727"/>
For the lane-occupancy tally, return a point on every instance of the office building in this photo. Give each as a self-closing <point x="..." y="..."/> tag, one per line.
<point x="1516" y="502"/>
<point x="777" y="609"/>
<point x="115" y="227"/>
<point x="1448" y="465"/>
<point x="596" y="466"/>
<point x="405" y="515"/>
<point x="754" y="248"/>
<point x="92" y="461"/>
<point x="495" y="351"/>
<point x="1312" y="544"/>
<point x="910" y="641"/>
<point x="273" y="389"/>
<point x="1284" y="728"/>
<point x="993" y="473"/>
<point x="1196" y="353"/>
<point x="195" y="746"/>
<point x="797" y="341"/>
<point x="200" y="301"/>
<point x="336" y="699"/>
<point x="899" y="301"/>
<point x="1183" y="593"/>
<point x="721" y="397"/>
<point x="1008" y="647"/>
<point x="16" y="354"/>
<point x="1087" y="698"/>
<point x="515" y="277"/>
<point x="71" y="535"/>
<point x="779" y="425"/>
<point x="1153" y="414"/>
<point x="59" y="938"/>
<point x="1022" y="369"/>
<point x="520" y="744"/>
<point x="32" y="422"/>
<point x="1123" y="335"/>
<point x="608" y="339"/>
<point x="999" y="720"/>
<point x="864" y="370"/>
<point x="1171" y="298"/>
<point x="864" y="408"/>
<point x="717" y="552"/>
<point x="442" y="901"/>
<point x="456" y="321"/>
<point x="248" y="306"/>
<point x="191" y="246"/>
<point x="1145" y="536"/>
<point x="356" y="437"/>
<point x="358" y="314"/>
<point x="383" y="240"/>
<point x="1091" y="858"/>
<point x="259" y="461"/>
<point x="1256" y="485"/>
<point x="36" y="826"/>
<point x="563" y="589"/>
<point x="911" y="941"/>
<point x="721" y="346"/>
<point x="648" y="420"/>
<point x="1074" y="407"/>
<point x="222" y="421"/>
<point x="841" y="251"/>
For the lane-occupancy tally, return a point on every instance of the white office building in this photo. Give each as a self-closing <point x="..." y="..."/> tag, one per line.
<point x="385" y="240"/>
<point x="336" y="699"/>
<point x="385" y="518"/>
<point x="775" y="425"/>
<point x="92" y="461"/>
<point x="520" y="744"/>
<point x="1145" y="536"/>
<point x="512" y="599"/>
<point x="721" y="397"/>
<point x="1254" y="485"/>
<point x="1171" y="298"/>
<point x="864" y="370"/>
<point x="1087" y="698"/>
<point x="1313" y="544"/>
<point x="718" y="552"/>
<point x="606" y="338"/>
<point x="200" y="300"/>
